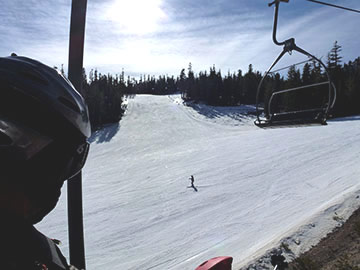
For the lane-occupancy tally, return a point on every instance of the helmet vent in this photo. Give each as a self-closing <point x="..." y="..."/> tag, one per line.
<point x="34" y="77"/>
<point x="5" y="140"/>
<point x="69" y="104"/>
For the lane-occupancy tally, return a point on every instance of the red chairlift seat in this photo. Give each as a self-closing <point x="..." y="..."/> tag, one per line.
<point x="217" y="263"/>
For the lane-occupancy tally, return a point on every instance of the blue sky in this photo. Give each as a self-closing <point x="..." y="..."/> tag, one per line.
<point x="163" y="36"/>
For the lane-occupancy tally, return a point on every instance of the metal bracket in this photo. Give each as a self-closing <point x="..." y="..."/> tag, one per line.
<point x="289" y="45"/>
<point x="277" y="1"/>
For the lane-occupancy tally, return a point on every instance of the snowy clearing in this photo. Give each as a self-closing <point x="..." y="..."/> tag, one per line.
<point x="255" y="186"/>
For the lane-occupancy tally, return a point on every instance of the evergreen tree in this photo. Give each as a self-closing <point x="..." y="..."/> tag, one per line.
<point x="306" y="74"/>
<point x="250" y="83"/>
<point x="334" y="58"/>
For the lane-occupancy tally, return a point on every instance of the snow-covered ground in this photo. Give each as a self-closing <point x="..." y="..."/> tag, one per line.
<point x="256" y="187"/>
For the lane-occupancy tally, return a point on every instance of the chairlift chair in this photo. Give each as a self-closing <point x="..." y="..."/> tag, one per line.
<point x="267" y="117"/>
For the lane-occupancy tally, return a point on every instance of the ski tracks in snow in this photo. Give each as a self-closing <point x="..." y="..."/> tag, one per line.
<point x="255" y="187"/>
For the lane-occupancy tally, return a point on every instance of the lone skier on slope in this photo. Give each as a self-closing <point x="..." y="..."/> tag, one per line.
<point x="44" y="126"/>
<point x="192" y="180"/>
<point x="192" y="183"/>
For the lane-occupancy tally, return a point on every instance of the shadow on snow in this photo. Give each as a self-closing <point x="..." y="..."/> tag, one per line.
<point x="345" y="119"/>
<point x="235" y="112"/>
<point x="105" y="134"/>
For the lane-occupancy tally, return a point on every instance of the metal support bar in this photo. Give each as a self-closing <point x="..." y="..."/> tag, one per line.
<point x="262" y="80"/>
<point x="299" y="112"/>
<point x="283" y="68"/>
<point x="334" y="98"/>
<point x="300" y="87"/>
<point x="75" y="208"/>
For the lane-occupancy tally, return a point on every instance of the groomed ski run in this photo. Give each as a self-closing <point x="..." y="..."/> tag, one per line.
<point x="255" y="187"/>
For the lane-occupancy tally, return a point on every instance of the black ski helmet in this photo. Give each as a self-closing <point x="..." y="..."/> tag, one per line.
<point x="38" y="106"/>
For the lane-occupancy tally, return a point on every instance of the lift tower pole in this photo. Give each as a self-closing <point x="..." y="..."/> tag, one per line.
<point x="75" y="208"/>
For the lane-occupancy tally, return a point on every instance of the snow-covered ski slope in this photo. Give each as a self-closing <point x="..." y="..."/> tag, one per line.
<point x="255" y="186"/>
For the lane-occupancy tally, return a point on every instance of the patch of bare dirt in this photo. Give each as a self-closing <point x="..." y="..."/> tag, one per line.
<point x="339" y="250"/>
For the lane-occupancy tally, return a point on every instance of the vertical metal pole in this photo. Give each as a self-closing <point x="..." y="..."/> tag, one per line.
<point x="75" y="208"/>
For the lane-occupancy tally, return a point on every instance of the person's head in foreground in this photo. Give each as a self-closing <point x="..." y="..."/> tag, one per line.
<point x="44" y="126"/>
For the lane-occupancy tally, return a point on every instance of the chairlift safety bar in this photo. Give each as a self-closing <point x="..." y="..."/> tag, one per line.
<point x="300" y="87"/>
<point x="292" y="90"/>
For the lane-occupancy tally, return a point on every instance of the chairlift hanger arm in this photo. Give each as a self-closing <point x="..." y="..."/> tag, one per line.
<point x="277" y="3"/>
<point x="289" y="44"/>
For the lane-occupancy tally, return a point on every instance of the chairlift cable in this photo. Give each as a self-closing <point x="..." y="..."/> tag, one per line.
<point x="336" y="6"/>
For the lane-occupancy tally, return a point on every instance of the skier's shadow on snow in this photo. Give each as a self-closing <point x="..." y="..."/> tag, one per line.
<point x="105" y="134"/>
<point x="195" y="189"/>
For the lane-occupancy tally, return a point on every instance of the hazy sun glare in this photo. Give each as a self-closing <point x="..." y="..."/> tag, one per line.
<point x="136" y="16"/>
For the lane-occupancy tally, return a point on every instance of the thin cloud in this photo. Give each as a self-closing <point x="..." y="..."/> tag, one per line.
<point x="230" y="34"/>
